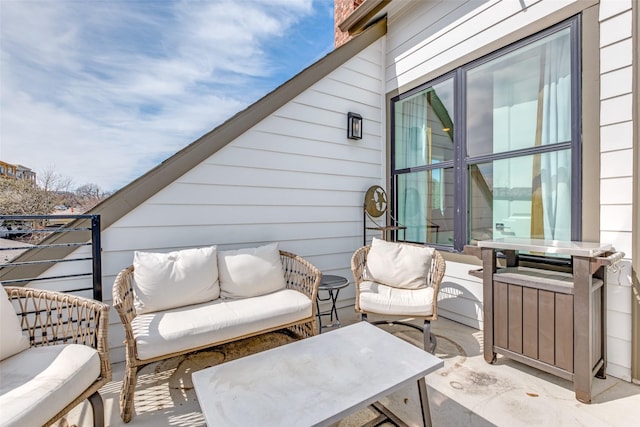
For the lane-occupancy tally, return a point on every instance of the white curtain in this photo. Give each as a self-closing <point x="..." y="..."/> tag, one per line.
<point x="412" y="188"/>
<point x="556" y="127"/>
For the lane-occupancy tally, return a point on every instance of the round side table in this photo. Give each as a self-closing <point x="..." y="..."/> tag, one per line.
<point x="332" y="285"/>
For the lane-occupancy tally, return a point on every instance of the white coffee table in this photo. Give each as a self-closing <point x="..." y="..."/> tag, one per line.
<point x="313" y="382"/>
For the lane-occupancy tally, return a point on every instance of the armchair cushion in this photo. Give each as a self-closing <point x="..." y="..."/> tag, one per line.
<point x="46" y="378"/>
<point x="175" y="279"/>
<point x="398" y="265"/>
<point x="12" y="340"/>
<point x="382" y="299"/>
<point x="250" y="272"/>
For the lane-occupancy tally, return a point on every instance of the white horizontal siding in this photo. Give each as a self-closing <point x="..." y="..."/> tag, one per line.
<point x="615" y="83"/>
<point x="616" y="110"/>
<point x="616" y="137"/>
<point x="617" y="360"/>
<point x="616" y="157"/>
<point x="611" y="8"/>
<point x="435" y="34"/>
<point x="460" y="296"/>
<point x="616" y="174"/>
<point x="294" y="178"/>
<point x="619" y="323"/>
<point x="616" y="56"/>
<point x="614" y="164"/>
<point x="226" y="235"/>
<point x="616" y="27"/>
<point x="621" y="241"/>
<point x="616" y="218"/>
<point x="614" y="191"/>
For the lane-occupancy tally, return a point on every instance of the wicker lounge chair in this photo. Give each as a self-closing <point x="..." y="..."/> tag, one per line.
<point x="54" y="319"/>
<point x="391" y="307"/>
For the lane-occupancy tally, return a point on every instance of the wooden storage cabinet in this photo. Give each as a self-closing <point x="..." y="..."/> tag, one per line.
<point x="534" y="319"/>
<point x="550" y="320"/>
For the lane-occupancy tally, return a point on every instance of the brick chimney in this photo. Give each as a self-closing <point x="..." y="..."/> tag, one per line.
<point x="342" y="9"/>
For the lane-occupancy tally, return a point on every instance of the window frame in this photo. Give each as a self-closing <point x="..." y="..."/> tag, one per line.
<point x="461" y="162"/>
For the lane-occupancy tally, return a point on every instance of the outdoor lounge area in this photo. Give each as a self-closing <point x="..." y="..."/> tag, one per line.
<point x="467" y="391"/>
<point x="362" y="368"/>
<point x="499" y="136"/>
<point x="362" y="364"/>
<point x="319" y="376"/>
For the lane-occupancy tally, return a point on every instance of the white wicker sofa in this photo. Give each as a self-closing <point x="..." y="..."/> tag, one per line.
<point x="53" y="355"/>
<point x="183" y="301"/>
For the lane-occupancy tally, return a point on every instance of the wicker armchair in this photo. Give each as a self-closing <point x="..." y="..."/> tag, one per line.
<point x="299" y="274"/>
<point x="436" y="273"/>
<point x="55" y="318"/>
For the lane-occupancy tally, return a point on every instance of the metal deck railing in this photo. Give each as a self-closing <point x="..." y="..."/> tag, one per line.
<point x="39" y="242"/>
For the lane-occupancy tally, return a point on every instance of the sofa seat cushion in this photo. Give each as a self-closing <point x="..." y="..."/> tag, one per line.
<point x="39" y="382"/>
<point x="382" y="299"/>
<point x="206" y="324"/>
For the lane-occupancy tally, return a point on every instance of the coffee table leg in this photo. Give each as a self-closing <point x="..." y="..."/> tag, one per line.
<point x="424" y="402"/>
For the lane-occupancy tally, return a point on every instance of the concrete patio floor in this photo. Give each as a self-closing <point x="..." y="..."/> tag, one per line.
<point x="466" y="392"/>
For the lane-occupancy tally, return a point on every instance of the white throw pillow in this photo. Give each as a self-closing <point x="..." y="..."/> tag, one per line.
<point x="250" y="272"/>
<point x="398" y="265"/>
<point x="174" y="279"/>
<point x="12" y="340"/>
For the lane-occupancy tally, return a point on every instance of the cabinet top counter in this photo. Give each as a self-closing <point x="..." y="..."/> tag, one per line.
<point x="586" y="249"/>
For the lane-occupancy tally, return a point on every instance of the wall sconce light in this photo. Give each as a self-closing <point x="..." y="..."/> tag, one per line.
<point x="354" y="126"/>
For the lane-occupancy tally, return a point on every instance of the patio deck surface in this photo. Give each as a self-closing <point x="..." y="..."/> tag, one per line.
<point x="466" y="392"/>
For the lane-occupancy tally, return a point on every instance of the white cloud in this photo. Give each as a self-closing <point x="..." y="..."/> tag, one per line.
<point x="104" y="91"/>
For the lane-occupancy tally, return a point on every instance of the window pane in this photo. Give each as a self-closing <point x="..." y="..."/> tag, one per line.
<point x="526" y="197"/>
<point x="424" y="127"/>
<point x="521" y="99"/>
<point x="425" y="206"/>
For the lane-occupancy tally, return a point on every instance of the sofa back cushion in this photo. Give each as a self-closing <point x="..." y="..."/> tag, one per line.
<point x="12" y="340"/>
<point x="398" y="265"/>
<point x="250" y="272"/>
<point x="175" y="279"/>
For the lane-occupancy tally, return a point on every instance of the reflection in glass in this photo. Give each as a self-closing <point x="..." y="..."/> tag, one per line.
<point x="424" y="127"/>
<point x="526" y="197"/>
<point x="425" y="206"/>
<point x="521" y="99"/>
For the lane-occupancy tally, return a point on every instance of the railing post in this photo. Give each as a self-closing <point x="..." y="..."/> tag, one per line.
<point x="96" y="252"/>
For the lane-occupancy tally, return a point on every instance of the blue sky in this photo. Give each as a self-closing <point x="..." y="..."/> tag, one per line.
<point x="103" y="91"/>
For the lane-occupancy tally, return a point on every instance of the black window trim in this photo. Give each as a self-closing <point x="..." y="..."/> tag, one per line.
<point x="460" y="162"/>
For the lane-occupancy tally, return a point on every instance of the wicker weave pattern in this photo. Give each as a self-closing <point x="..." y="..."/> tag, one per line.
<point x="53" y="318"/>
<point x="436" y="273"/>
<point x="299" y="274"/>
